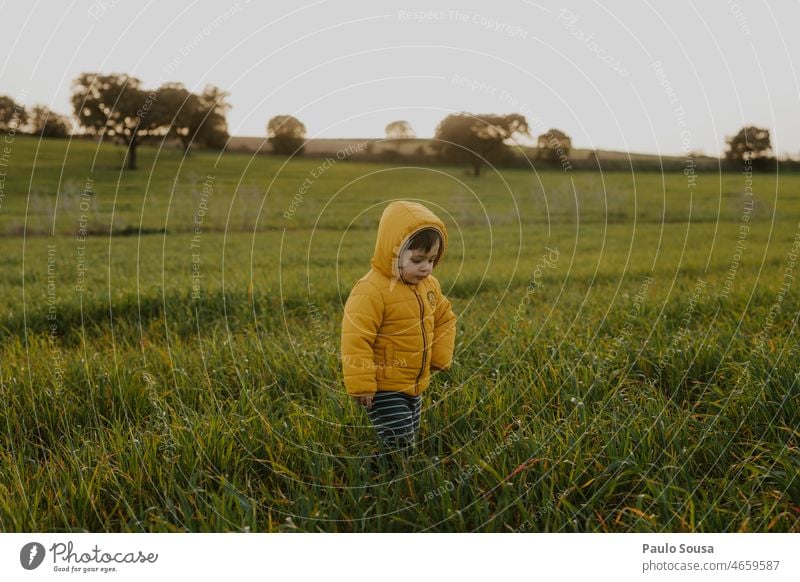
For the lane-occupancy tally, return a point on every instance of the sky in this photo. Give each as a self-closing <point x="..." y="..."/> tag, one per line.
<point x="647" y="76"/>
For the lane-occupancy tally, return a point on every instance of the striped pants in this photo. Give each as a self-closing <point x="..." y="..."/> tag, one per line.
<point x="395" y="417"/>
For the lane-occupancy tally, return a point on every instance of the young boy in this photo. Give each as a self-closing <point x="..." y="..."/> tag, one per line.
<point x="398" y="325"/>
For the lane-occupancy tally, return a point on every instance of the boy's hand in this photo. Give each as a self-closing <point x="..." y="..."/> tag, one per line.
<point x="365" y="401"/>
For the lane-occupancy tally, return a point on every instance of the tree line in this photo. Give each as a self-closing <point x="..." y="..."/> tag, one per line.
<point x="118" y="106"/>
<point x="479" y="140"/>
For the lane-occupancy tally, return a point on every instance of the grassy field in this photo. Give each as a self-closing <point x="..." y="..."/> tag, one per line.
<point x="626" y="359"/>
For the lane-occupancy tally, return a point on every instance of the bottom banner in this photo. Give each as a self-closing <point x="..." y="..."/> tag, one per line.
<point x="397" y="557"/>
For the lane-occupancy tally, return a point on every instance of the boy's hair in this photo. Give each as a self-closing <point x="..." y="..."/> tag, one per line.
<point x="424" y="240"/>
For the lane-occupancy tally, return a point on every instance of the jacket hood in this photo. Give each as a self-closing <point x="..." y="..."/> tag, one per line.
<point x="399" y="222"/>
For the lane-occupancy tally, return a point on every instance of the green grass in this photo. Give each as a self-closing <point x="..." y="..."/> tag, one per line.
<point x="610" y="395"/>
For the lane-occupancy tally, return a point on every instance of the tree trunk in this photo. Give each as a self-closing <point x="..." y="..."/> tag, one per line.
<point x="132" y="145"/>
<point x="132" y="157"/>
<point x="476" y="169"/>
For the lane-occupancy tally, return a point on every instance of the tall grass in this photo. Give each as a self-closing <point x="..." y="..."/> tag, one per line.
<point x="609" y="396"/>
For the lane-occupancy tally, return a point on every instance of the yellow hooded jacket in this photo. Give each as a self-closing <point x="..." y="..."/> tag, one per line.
<point x="393" y="332"/>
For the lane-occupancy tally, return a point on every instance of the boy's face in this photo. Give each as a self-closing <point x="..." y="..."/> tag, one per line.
<point x="416" y="264"/>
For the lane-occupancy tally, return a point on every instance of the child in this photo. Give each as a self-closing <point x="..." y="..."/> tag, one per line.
<point x="398" y="325"/>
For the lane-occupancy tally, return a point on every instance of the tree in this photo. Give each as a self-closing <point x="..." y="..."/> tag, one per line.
<point x="554" y="146"/>
<point x="463" y="137"/>
<point x="46" y="123"/>
<point x="116" y="105"/>
<point x="196" y="119"/>
<point x="213" y="132"/>
<point x="286" y="134"/>
<point x="751" y="143"/>
<point x="400" y="130"/>
<point x="12" y="114"/>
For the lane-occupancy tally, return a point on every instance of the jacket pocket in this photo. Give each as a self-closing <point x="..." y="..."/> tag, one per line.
<point x="388" y="370"/>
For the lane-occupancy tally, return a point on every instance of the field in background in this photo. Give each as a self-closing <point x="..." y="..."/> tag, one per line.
<point x="627" y="355"/>
<point x="415" y="148"/>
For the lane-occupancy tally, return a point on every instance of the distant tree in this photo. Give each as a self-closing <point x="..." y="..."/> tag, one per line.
<point x="469" y="138"/>
<point x="116" y="105"/>
<point x="286" y="134"/>
<point x="554" y="145"/>
<point x="12" y="114"/>
<point x="196" y="119"/>
<point x="400" y="130"/>
<point x="183" y="106"/>
<point x="750" y="143"/>
<point x="213" y="132"/>
<point x="46" y="123"/>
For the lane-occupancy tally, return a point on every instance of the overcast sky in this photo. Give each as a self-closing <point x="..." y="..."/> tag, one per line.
<point x="638" y="76"/>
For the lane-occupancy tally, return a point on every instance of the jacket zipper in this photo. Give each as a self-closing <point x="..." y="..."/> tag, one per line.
<point x="424" y="338"/>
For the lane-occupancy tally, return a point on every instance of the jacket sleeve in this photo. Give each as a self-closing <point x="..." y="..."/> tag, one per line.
<point x="444" y="333"/>
<point x="363" y="315"/>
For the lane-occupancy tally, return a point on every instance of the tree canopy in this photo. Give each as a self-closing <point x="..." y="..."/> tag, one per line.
<point x="12" y="114"/>
<point x="477" y="139"/>
<point x="287" y="134"/>
<point x="554" y="145"/>
<point x="46" y="123"/>
<point x="115" y="104"/>
<point x="750" y="143"/>
<point x="400" y="130"/>
<point x="196" y="119"/>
